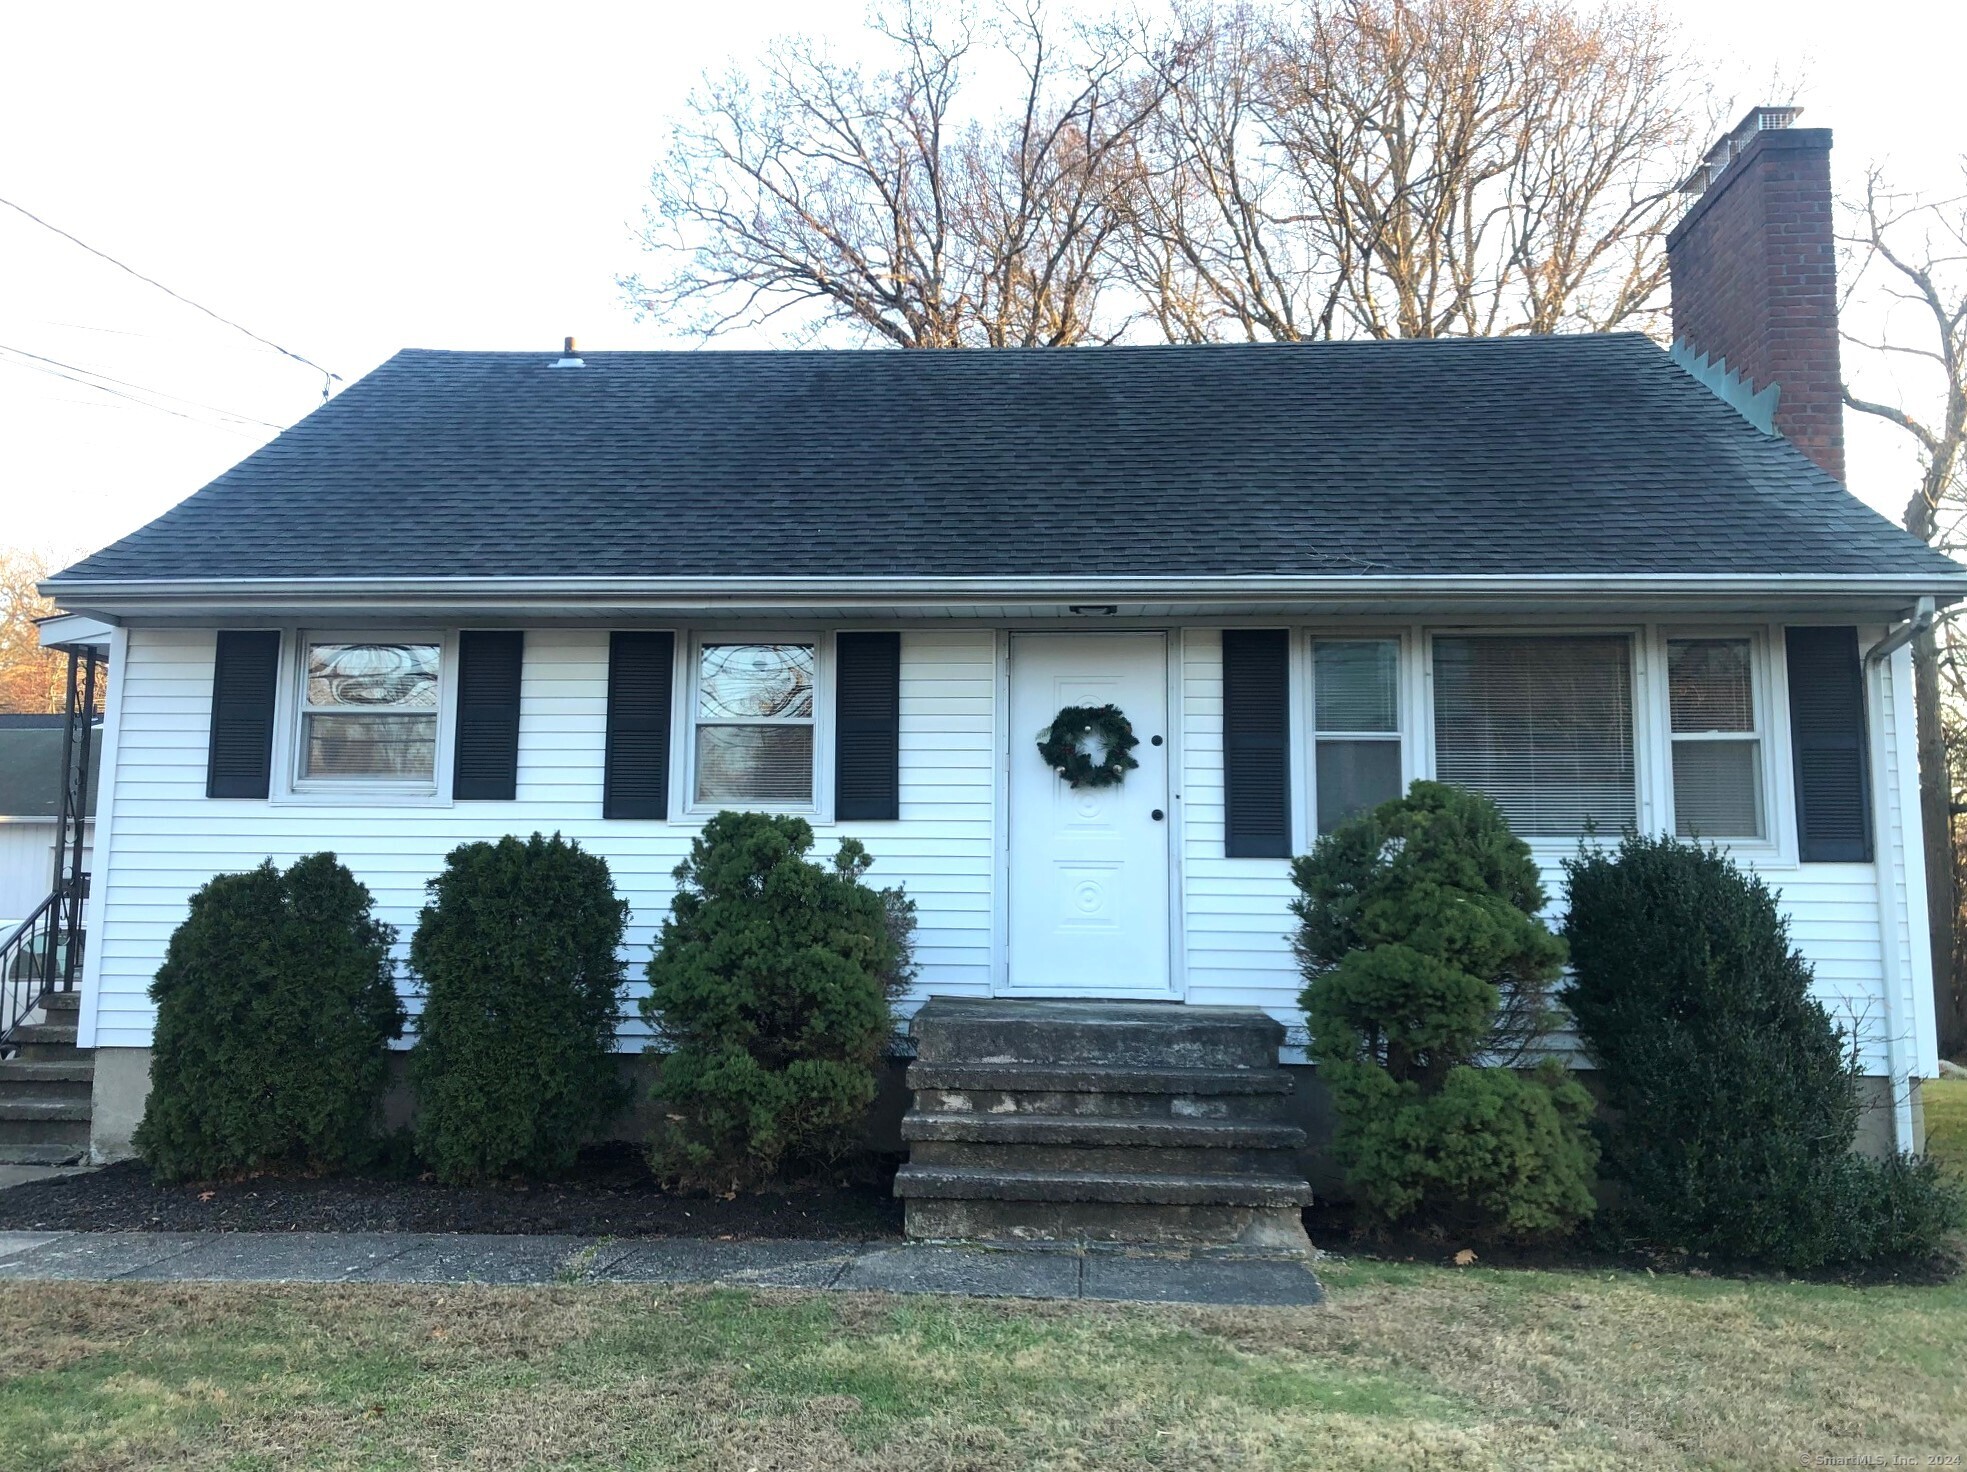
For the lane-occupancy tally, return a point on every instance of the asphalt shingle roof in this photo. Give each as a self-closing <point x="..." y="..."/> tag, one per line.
<point x="1568" y="455"/>
<point x="30" y="767"/>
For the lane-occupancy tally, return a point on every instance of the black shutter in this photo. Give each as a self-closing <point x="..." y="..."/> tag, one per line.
<point x="867" y="727"/>
<point x="640" y="668"/>
<point x="1257" y="743"/>
<point x="485" y="760"/>
<point x="245" y="673"/>
<point x="1828" y="739"/>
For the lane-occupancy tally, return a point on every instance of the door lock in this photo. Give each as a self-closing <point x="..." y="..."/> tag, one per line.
<point x="1156" y="815"/>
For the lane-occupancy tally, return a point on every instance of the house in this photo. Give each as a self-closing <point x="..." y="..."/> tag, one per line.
<point x="608" y="594"/>
<point x="30" y="812"/>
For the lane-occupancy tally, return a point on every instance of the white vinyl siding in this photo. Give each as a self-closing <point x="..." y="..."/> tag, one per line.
<point x="1237" y="926"/>
<point x="167" y="838"/>
<point x="164" y="838"/>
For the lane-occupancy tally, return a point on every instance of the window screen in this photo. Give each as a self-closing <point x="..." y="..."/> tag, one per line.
<point x="1542" y="725"/>
<point x="1717" y="749"/>
<point x="1356" y="711"/>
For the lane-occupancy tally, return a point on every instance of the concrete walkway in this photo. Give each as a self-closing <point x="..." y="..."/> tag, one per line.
<point x="413" y="1257"/>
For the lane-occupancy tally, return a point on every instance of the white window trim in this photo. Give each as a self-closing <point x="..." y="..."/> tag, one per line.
<point x="1647" y="655"/>
<point x="1305" y="704"/>
<point x="684" y="737"/>
<point x="288" y="787"/>
<point x="1776" y="846"/>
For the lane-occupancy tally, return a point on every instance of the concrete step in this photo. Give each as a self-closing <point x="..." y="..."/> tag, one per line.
<point x="30" y="1154"/>
<point x="948" y="1183"/>
<point x="1214" y="1161"/>
<point x="66" y="1004"/>
<point x="1251" y="1213"/>
<point x="1140" y="1035"/>
<point x="44" y="1122"/>
<point x="1138" y="1134"/>
<point x="46" y="1042"/>
<point x="1103" y="1106"/>
<point x="1039" y="1078"/>
<point x="61" y="1079"/>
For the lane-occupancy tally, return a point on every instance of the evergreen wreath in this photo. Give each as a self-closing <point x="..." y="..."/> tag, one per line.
<point x="1060" y="745"/>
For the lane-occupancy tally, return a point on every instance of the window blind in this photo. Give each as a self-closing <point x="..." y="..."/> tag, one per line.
<point x="1543" y="726"/>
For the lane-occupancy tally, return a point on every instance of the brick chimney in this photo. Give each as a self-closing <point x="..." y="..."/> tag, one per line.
<point x="1754" y="269"/>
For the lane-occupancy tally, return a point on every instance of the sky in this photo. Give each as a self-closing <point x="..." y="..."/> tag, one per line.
<point x="348" y="180"/>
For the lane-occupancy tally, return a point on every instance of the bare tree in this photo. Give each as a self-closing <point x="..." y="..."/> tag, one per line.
<point x="1915" y="250"/>
<point x="844" y="194"/>
<point x="30" y="676"/>
<point x="1415" y="168"/>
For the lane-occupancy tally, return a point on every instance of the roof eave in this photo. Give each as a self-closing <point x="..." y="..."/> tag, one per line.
<point x="117" y="600"/>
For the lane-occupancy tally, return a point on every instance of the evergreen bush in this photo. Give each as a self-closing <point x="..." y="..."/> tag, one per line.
<point x="1419" y="937"/>
<point x="771" y="984"/>
<point x="519" y="958"/>
<point x="275" y="1006"/>
<point x="1732" y="1095"/>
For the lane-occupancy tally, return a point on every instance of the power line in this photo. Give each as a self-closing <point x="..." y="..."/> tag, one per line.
<point x="326" y="375"/>
<point x="206" y="420"/>
<point x="139" y="387"/>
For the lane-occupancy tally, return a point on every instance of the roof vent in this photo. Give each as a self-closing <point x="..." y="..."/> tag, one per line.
<point x="567" y="359"/>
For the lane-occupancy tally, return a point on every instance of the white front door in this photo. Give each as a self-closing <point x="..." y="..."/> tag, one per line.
<point x="1088" y="893"/>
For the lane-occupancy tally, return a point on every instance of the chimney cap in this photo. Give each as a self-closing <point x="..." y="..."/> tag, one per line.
<point x="1767" y="118"/>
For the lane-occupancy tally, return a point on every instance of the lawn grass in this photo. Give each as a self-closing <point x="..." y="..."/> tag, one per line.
<point x="1946" y="1120"/>
<point x="1404" y="1367"/>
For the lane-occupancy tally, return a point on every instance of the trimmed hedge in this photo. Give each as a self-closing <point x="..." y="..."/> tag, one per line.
<point x="275" y="1006"/>
<point x="1731" y="1094"/>
<point x="771" y="984"/>
<point x="1417" y="922"/>
<point x="518" y="956"/>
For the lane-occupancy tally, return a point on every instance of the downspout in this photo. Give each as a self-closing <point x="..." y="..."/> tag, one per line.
<point x="1898" y="1075"/>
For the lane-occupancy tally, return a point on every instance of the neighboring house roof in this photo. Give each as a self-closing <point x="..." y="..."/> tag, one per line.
<point x="30" y="767"/>
<point x="1579" y="455"/>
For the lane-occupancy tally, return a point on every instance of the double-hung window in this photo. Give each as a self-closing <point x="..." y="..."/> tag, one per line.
<point x="1541" y="724"/>
<point x="753" y="717"/>
<point x="1355" y="697"/>
<point x="368" y="714"/>
<point x="1717" y="740"/>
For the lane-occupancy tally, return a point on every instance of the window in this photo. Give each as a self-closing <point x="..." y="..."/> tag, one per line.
<point x="754" y="725"/>
<point x="368" y="713"/>
<point x="1717" y="748"/>
<point x="1355" y="687"/>
<point x="1542" y="725"/>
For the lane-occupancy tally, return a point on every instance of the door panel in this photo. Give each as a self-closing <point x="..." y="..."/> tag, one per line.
<point x="1089" y="867"/>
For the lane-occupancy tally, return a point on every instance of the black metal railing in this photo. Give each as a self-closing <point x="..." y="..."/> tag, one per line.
<point x="42" y="954"/>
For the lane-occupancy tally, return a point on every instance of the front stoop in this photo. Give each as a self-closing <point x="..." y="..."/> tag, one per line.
<point x="45" y="1088"/>
<point x="1076" y="1122"/>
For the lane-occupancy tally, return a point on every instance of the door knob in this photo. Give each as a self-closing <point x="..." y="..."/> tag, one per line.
<point x="1154" y="741"/>
<point x="1156" y="815"/>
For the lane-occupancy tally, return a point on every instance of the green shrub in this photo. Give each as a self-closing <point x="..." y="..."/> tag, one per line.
<point x="275" y="1005"/>
<point x="1731" y="1094"/>
<point x="519" y="957"/>
<point x="1422" y="951"/>
<point x="771" y="984"/>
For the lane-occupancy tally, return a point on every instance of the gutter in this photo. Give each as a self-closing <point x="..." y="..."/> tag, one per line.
<point x="126" y="597"/>
<point x="1899" y="1075"/>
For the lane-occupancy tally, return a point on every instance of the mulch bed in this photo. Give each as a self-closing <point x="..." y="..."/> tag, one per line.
<point x="610" y="1194"/>
<point x="1334" y="1227"/>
